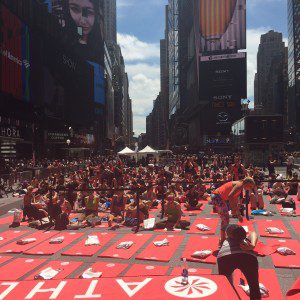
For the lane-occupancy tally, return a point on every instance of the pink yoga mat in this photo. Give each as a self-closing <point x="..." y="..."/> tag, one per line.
<point x="164" y="253"/>
<point x="290" y="261"/>
<point x="40" y="236"/>
<point x="80" y="249"/>
<point x="267" y="277"/>
<point x="10" y="235"/>
<point x="45" y="248"/>
<point x="147" y="270"/>
<point x="18" y="268"/>
<point x="138" y="239"/>
<point x="209" y="222"/>
<point x="196" y="212"/>
<point x="197" y="243"/>
<point x="108" y="269"/>
<point x="263" y="224"/>
<point x="67" y="267"/>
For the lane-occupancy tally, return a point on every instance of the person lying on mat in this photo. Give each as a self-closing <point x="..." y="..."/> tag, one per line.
<point x="237" y="253"/>
<point x="192" y="199"/>
<point x="229" y="193"/>
<point x="173" y="215"/>
<point x="117" y="209"/>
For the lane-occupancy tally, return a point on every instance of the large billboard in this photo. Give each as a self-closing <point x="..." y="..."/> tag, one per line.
<point x="81" y="18"/>
<point x="223" y="79"/>
<point x="222" y="25"/>
<point x="14" y="55"/>
<point x="82" y="21"/>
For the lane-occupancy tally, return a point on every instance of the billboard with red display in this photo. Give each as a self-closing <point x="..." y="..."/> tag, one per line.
<point x="14" y="56"/>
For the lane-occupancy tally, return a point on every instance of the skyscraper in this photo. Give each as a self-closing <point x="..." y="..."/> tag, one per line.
<point x="294" y="67"/>
<point x="110" y="21"/>
<point x="271" y="54"/>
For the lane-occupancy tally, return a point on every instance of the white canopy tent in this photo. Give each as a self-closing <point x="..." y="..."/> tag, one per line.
<point x="126" y="151"/>
<point x="148" y="150"/>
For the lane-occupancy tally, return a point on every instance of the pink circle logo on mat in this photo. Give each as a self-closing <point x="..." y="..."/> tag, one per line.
<point x="110" y="265"/>
<point x="150" y="268"/>
<point x="65" y="263"/>
<point x="198" y="287"/>
<point x="116" y="255"/>
<point x="282" y="241"/>
<point x="29" y="260"/>
<point x="170" y="236"/>
<point x="104" y="233"/>
<point x="139" y="234"/>
<point x="17" y="231"/>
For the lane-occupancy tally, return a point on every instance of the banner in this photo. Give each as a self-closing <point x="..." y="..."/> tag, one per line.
<point x="134" y="288"/>
<point x="222" y="25"/>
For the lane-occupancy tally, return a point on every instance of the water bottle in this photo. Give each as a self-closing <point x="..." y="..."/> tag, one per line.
<point x="185" y="273"/>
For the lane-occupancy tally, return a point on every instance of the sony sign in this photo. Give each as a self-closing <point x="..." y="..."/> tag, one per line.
<point x="9" y="132"/>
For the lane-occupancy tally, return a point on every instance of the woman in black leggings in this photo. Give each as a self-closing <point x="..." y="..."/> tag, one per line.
<point x="236" y="253"/>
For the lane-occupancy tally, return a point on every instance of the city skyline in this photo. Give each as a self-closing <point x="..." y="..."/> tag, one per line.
<point x="140" y="45"/>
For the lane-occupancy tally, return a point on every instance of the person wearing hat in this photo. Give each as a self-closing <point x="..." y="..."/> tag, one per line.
<point x="237" y="253"/>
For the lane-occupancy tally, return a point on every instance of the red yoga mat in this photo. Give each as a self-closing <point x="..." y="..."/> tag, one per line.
<point x="81" y="250"/>
<point x="247" y="225"/>
<point x="4" y="259"/>
<point x="263" y="224"/>
<point x="108" y="269"/>
<point x="294" y="291"/>
<point x="208" y="287"/>
<point x="196" y="212"/>
<point x="147" y="270"/>
<point x="67" y="267"/>
<point x="289" y="261"/>
<point x="211" y="223"/>
<point x="40" y="236"/>
<point x="9" y="219"/>
<point x="296" y="225"/>
<point x="267" y="277"/>
<point x="10" y="235"/>
<point x="177" y="271"/>
<point x="18" y="268"/>
<point x="45" y="248"/>
<point x="163" y="253"/>
<point x="197" y="243"/>
<point x="263" y="250"/>
<point x="279" y="207"/>
<point x="138" y="239"/>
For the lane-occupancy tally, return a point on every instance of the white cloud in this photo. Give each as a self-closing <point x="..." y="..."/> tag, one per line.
<point x="134" y="49"/>
<point x="142" y="66"/>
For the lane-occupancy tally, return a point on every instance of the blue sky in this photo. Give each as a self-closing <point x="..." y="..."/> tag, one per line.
<point x="141" y="25"/>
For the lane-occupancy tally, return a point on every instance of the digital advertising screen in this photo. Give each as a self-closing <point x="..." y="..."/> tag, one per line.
<point x="223" y="79"/>
<point x="14" y="56"/>
<point x="81" y="18"/>
<point x="222" y="25"/>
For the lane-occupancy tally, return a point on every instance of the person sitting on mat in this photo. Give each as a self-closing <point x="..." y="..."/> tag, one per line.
<point x="131" y="215"/>
<point x="91" y="204"/>
<point x="192" y="199"/>
<point x="229" y="193"/>
<point x="237" y="253"/>
<point x="173" y="215"/>
<point x="117" y="209"/>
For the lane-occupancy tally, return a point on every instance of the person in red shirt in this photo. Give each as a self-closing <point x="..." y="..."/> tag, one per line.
<point x="229" y="193"/>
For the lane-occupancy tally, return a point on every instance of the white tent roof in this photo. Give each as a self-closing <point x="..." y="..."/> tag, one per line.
<point x="126" y="151"/>
<point x="148" y="150"/>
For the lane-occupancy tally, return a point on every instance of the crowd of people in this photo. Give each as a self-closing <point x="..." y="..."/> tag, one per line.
<point x="123" y="192"/>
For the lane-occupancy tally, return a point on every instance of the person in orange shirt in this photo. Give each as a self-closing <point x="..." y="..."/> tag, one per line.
<point x="229" y="193"/>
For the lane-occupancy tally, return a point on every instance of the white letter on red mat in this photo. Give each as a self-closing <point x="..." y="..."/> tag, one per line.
<point x="11" y="286"/>
<point x="55" y="291"/>
<point x="138" y="286"/>
<point x="89" y="292"/>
